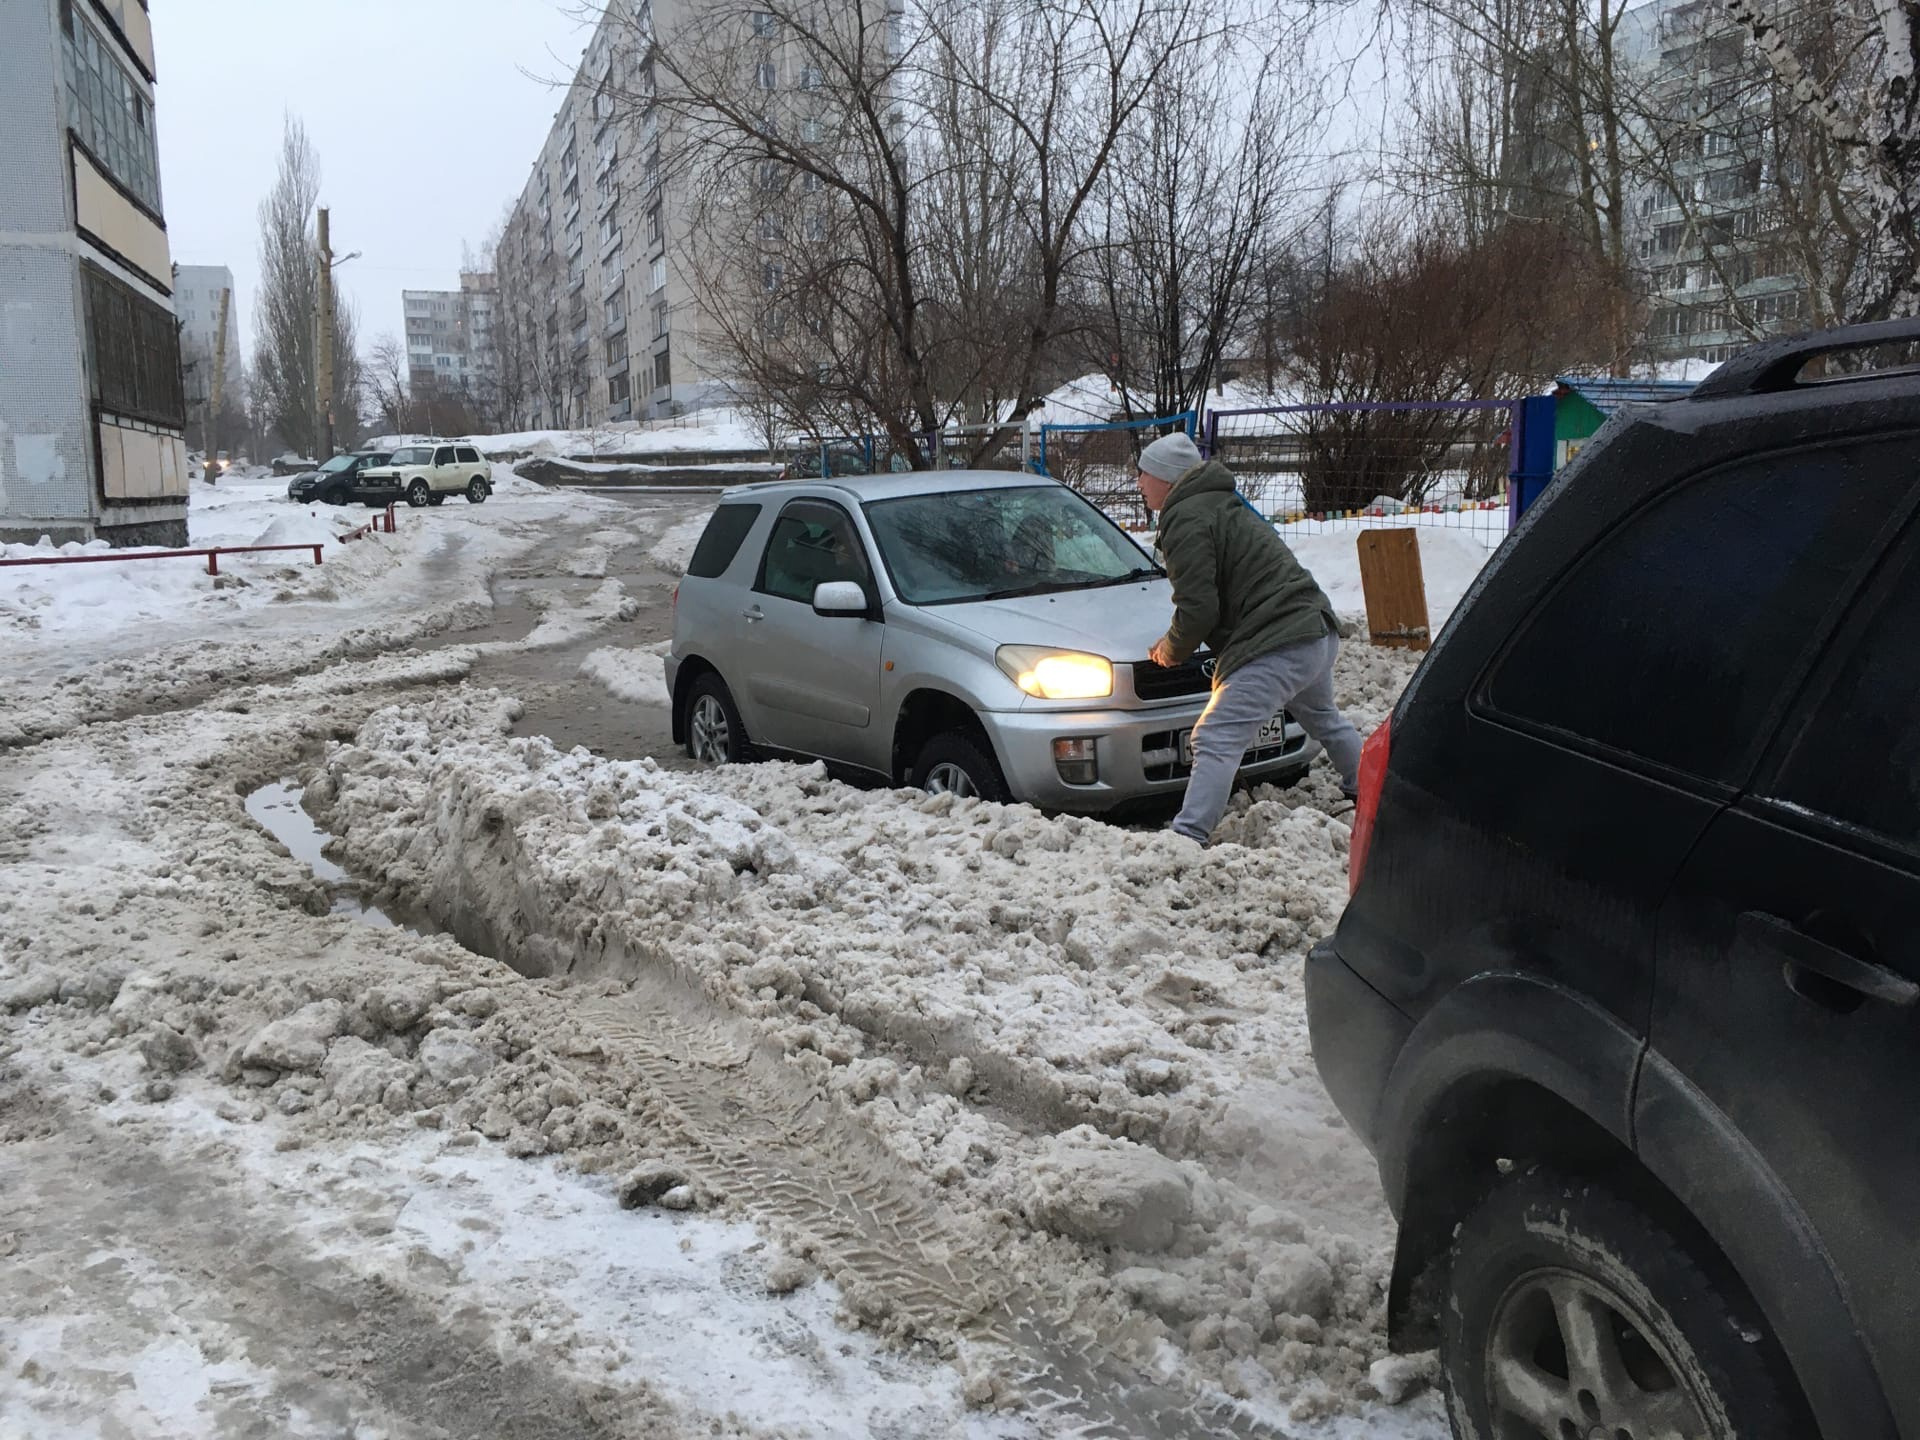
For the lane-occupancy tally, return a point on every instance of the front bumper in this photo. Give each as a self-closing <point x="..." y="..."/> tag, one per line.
<point x="1356" y="1034"/>
<point x="1138" y="753"/>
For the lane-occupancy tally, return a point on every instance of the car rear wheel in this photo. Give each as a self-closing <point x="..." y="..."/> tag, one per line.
<point x="1574" y="1314"/>
<point x="956" y="764"/>
<point x="418" y="494"/>
<point x="715" y="735"/>
<point x="477" y="491"/>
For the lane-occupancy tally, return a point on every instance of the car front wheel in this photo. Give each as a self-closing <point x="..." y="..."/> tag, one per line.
<point x="477" y="491"/>
<point x="418" y="494"/>
<point x="715" y="735"/>
<point x="1575" y="1314"/>
<point x="956" y="764"/>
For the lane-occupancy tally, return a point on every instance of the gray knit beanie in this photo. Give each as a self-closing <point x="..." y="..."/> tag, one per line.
<point x="1170" y="457"/>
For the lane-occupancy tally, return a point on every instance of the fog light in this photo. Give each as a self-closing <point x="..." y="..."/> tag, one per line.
<point x="1077" y="761"/>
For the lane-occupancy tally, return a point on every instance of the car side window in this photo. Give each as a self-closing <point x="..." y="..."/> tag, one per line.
<point x="721" y="540"/>
<point x="812" y="543"/>
<point x="443" y="456"/>
<point x="1674" y="638"/>
<point x="1856" y="758"/>
<point x="468" y="455"/>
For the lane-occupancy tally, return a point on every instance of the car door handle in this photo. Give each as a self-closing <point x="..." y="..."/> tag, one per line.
<point x="1803" y="952"/>
<point x="754" y="612"/>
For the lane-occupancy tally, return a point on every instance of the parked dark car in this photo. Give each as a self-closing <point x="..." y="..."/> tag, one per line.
<point x="1625" y="999"/>
<point x="335" y="482"/>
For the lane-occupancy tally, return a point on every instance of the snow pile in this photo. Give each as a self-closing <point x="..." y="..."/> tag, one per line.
<point x="637" y="675"/>
<point x="673" y="551"/>
<point x="1137" y="1000"/>
<point x="1450" y="561"/>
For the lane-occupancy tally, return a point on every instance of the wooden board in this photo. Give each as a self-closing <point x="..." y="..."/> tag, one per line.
<point x="1395" y="588"/>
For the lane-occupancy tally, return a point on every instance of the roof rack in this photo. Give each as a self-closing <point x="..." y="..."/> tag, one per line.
<point x="1776" y="364"/>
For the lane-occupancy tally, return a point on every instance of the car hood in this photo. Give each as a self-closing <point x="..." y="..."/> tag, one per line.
<point x="305" y="477"/>
<point x="1117" y="621"/>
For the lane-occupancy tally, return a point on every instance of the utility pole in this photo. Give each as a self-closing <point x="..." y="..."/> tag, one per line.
<point x="326" y="340"/>
<point x="212" y="465"/>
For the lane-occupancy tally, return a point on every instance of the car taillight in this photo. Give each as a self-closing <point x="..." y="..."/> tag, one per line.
<point x="1366" y="808"/>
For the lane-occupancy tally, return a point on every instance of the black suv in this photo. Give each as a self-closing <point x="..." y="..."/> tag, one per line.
<point x="337" y="481"/>
<point x="1625" y="999"/>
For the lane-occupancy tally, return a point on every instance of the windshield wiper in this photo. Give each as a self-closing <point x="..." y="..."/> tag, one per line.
<point x="1145" y="572"/>
<point x="1041" y="588"/>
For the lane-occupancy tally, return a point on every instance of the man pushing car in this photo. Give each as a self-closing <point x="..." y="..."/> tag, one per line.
<point x="1238" y="589"/>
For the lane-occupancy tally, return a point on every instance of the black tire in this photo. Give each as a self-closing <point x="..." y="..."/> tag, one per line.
<point x="1674" y="1350"/>
<point x="959" y="755"/>
<point x="477" y="491"/>
<point x="707" y="743"/>
<point x="336" y="496"/>
<point x="418" y="494"/>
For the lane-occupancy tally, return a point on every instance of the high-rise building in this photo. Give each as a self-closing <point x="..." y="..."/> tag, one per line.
<point x="92" y="402"/>
<point x="450" y="337"/>
<point x="597" y="320"/>
<point x="196" y="301"/>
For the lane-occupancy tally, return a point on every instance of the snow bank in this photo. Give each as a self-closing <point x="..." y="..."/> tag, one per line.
<point x="1450" y="561"/>
<point x="636" y="675"/>
<point x="1135" y="997"/>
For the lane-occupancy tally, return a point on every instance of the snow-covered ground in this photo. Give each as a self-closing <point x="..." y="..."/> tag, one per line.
<point x="716" y="1103"/>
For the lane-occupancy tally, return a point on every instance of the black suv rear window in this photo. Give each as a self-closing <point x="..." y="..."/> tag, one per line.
<point x="720" y="541"/>
<point x="1674" y="637"/>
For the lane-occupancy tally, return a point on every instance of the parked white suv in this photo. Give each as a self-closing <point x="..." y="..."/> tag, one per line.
<point x="427" y="475"/>
<point x="981" y="632"/>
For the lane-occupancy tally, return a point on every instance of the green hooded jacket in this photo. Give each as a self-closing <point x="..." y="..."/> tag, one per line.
<point x="1236" y="586"/>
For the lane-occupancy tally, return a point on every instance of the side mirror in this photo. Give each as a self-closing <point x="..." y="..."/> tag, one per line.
<point x="841" y="598"/>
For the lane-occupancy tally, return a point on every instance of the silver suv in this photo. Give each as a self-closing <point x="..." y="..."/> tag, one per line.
<point x="964" y="631"/>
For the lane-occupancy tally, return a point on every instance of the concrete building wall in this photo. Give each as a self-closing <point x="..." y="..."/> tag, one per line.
<point x="196" y="300"/>
<point x="90" y="442"/>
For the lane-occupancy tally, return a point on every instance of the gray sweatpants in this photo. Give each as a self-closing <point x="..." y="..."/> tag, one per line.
<point x="1296" y="678"/>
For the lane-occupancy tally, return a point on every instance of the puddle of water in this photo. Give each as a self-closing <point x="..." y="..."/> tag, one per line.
<point x="276" y="808"/>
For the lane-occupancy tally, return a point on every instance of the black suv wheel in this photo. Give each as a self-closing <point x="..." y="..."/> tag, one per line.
<point x="957" y="764"/>
<point x="1554" y="1331"/>
<point x="477" y="491"/>
<point x="418" y="494"/>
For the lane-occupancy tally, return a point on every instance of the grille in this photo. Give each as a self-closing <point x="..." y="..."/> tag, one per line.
<point x="1162" y="682"/>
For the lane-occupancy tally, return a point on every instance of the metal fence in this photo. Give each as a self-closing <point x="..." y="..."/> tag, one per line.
<point x="809" y="456"/>
<point x="1316" y="468"/>
<point x="1100" y="461"/>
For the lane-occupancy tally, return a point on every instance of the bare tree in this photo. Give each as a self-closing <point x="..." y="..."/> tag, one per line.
<point x="1858" y="86"/>
<point x="384" y="378"/>
<point x="285" y="356"/>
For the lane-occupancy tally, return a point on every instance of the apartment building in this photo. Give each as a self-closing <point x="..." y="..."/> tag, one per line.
<point x="598" y="318"/>
<point x="450" y="336"/>
<point x="196" y="303"/>
<point x="92" y="401"/>
<point x="1708" y="228"/>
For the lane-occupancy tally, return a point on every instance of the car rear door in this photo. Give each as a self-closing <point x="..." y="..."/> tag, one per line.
<point x="1787" y="990"/>
<point x="471" y="466"/>
<point x="813" y="681"/>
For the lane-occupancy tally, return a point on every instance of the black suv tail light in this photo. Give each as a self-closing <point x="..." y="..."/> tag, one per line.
<point x="1373" y="778"/>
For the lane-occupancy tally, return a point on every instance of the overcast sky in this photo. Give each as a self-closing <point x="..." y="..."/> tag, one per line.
<point x="427" y="115"/>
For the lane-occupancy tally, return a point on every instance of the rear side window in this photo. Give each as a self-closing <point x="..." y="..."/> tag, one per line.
<point x="468" y="455"/>
<point x="1857" y="760"/>
<point x="1674" y="638"/>
<point x="721" y="540"/>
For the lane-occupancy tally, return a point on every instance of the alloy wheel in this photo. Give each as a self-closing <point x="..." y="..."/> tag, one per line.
<point x="1570" y="1359"/>
<point x="947" y="778"/>
<point x="709" y="731"/>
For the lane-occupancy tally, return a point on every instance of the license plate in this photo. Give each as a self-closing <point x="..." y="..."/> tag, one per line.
<point x="1271" y="733"/>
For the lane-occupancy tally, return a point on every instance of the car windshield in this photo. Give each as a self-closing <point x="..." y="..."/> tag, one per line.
<point x="337" y="464"/>
<point x="992" y="544"/>
<point x="414" y="455"/>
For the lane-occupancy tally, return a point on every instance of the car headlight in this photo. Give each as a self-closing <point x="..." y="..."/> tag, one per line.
<point x="1049" y="674"/>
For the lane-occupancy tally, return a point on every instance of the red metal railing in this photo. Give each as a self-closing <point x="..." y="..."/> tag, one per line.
<point x="212" y="553"/>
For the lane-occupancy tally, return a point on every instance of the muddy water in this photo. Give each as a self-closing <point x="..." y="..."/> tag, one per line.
<point x="276" y="808"/>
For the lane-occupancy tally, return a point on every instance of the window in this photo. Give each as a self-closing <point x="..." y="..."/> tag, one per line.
<point x="764" y="25"/>
<point x="659" y="319"/>
<point x="108" y="112"/>
<point x="772" y="276"/>
<point x="136" y="352"/>
<point x="1673" y="638"/>
<point x="812" y="544"/>
<point x="443" y="456"/>
<point x="812" y="77"/>
<point x="765" y="75"/>
<point x="619" y="389"/>
<point x="468" y="455"/>
<point x="721" y="541"/>
<point x="816" y="225"/>
<point x="617" y="351"/>
<point x="653" y="225"/>
<point x="657" y="275"/>
<point x="662" y="370"/>
<point x="811" y="183"/>
<point x="1858" y="757"/>
<point x="811" y="129"/>
<point x="772" y="227"/>
<point x="616" y="309"/>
